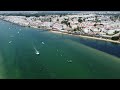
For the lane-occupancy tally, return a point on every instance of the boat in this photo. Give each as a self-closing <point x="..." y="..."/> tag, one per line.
<point x="36" y="51"/>
<point x="69" y="61"/>
<point x="43" y="43"/>
<point x="10" y="41"/>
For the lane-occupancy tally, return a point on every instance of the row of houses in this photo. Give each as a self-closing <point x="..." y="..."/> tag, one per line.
<point x="54" y="22"/>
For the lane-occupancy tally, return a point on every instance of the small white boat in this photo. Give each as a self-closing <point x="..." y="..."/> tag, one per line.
<point x="10" y="41"/>
<point x="37" y="52"/>
<point x="43" y="43"/>
<point x="69" y="61"/>
<point x="18" y="32"/>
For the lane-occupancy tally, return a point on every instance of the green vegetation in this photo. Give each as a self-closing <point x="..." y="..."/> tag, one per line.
<point x="80" y="20"/>
<point x="57" y="19"/>
<point x="50" y="20"/>
<point x="77" y="29"/>
<point x="96" y="19"/>
<point x="66" y="22"/>
<point x="115" y="38"/>
<point x="38" y="26"/>
<point x="116" y="32"/>
<point x="115" y="17"/>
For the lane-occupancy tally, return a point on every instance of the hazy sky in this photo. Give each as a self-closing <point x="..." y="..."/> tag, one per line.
<point x="59" y="11"/>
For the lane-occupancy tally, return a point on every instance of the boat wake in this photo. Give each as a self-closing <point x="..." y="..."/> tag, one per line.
<point x="36" y="51"/>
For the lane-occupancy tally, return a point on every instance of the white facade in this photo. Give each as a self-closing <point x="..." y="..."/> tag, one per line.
<point x="86" y="30"/>
<point x="74" y="26"/>
<point x="57" y="26"/>
<point x="110" y="32"/>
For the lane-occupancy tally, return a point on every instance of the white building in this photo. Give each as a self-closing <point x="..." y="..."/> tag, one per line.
<point x="86" y="30"/>
<point x="57" y="26"/>
<point x="73" y="26"/>
<point x="110" y="32"/>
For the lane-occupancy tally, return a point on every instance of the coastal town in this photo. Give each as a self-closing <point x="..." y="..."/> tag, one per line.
<point x="102" y="27"/>
<point x="59" y="44"/>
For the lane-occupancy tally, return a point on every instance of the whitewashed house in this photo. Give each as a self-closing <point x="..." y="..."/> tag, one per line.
<point x="73" y="26"/>
<point x="110" y="32"/>
<point x="86" y="30"/>
<point x="57" y="26"/>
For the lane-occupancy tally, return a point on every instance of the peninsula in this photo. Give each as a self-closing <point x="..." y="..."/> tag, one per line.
<point x="94" y="26"/>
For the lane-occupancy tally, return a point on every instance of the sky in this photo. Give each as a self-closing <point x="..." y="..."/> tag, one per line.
<point x="59" y="12"/>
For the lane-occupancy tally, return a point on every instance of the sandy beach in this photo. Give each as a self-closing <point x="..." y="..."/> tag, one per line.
<point x="102" y="39"/>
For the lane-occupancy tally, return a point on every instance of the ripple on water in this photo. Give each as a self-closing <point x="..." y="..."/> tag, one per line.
<point x="11" y="36"/>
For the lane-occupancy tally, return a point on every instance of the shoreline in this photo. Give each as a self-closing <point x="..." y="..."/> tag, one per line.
<point x="59" y="32"/>
<point x="101" y="39"/>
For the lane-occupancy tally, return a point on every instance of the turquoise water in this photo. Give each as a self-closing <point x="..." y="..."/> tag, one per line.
<point x="60" y="56"/>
